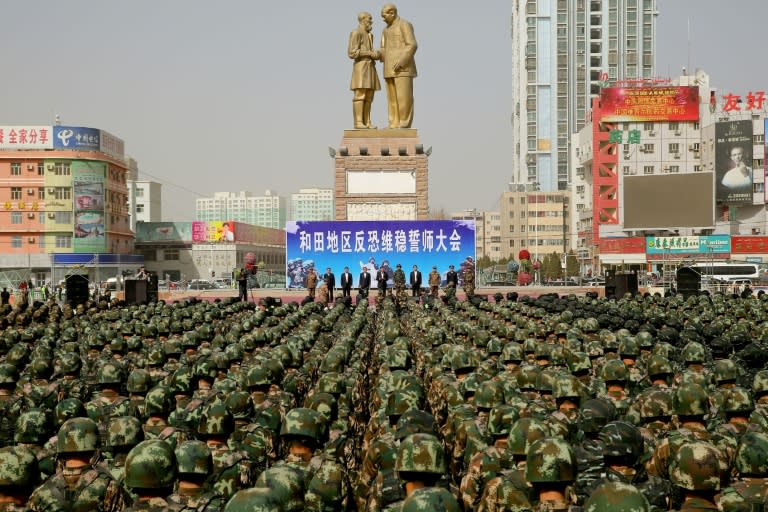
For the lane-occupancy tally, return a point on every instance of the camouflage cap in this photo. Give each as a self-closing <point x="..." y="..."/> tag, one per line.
<point x="431" y="499"/>
<point x="421" y="453"/>
<point x="690" y="400"/>
<point x="303" y="422"/>
<point x="415" y="422"/>
<point x="696" y="467"/>
<point x="286" y="485"/>
<point x="550" y="460"/>
<point x="617" y="497"/>
<point x="150" y="465"/>
<point x="216" y="420"/>
<point x="67" y="409"/>
<point x="621" y="439"/>
<point x="258" y="499"/>
<point x="18" y="467"/>
<point x="32" y="426"/>
<point x="523" y="433"/>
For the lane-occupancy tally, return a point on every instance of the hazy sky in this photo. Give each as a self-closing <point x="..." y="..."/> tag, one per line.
<point x="248" y="95"/>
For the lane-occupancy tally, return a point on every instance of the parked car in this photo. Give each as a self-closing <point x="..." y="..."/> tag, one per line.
<point x="201" y="285"/>
<point x="222" y="282"/>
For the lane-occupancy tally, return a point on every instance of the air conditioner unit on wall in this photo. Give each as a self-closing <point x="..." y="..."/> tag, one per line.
<point x="31" y="239"/>
<point x="30" y="191"/>
<point x="51" y="190"/>
<point x="50" y="167"/>
<point x="51" y="215"/>
<point x="30" y="215"/>
<point x="676" y="156"/>
<point x="30" y="167"/>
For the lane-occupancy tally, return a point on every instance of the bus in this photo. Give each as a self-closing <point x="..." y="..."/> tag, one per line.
<point x="729" y="272"/>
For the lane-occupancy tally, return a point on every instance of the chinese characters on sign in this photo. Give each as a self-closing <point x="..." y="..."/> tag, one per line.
<point x="670" y="103"/>
<point x="617" y="137"/>
<point x="25" y="137"/>
<point x="732" y="102"/>
<point x="720" y="244"/>
<point x="386" y="241"/>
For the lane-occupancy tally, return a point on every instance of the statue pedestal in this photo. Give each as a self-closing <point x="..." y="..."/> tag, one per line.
<point x="381" y="175"/>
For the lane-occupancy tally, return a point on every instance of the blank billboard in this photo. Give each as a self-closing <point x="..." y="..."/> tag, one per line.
<point x="670" y="201"/>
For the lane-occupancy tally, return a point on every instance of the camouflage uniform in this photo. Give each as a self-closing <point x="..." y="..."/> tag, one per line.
<point x="434" y="283"/>
<point x="195" y="464"/>
<point x="88" y="488"/>
<point x="18" y="476"/>
<point x="398" y="279"/>
<point x="751" y="463"/>
<point x="150" y="469"/>
<point x="469" y="281"/>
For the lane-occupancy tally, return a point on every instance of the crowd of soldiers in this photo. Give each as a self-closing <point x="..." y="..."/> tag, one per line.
<point x="503" y="403"/>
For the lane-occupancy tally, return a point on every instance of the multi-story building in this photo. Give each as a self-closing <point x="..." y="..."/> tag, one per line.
<point x="487" y="232"/>
<point x="312" y="204"/>
<point x="144" y="201"/>
<point x="534" y="220"/>
<point x="562" y="52"/>
<point x="64" y="202"/>
<point x="649" y="187"/>
<point x="268" y="210"/>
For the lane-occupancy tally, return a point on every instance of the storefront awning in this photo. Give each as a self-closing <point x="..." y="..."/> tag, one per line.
<point x="618" y="259"/>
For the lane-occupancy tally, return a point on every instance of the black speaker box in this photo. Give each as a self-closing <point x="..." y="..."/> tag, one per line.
<point x="77" y="290"/>
<point x="136" y="291"/>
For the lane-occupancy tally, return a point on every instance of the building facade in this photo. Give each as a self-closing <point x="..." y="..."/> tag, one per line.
<point x="562" y="52"/>
<point x="487" y="232"/>
<point x="63" y="190"/>
<point x="144" y="202"/>
<point x="268" y="210"/>
<point x="312" y="204"/>
<point x="534" y="220"/>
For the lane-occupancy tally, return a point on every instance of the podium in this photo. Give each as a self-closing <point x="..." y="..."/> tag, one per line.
<point x="136" y="291"/>
<point x="77" y="289"/>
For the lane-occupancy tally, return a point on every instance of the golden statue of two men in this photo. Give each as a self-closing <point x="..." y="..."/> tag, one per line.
<point x="398" y="47"/>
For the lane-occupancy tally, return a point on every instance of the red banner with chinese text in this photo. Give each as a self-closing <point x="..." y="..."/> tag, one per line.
<point x="668" y="103"/>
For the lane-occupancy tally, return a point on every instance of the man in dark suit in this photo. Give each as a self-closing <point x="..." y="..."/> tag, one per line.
<point x="381" y="282"/>
<point x="330" y="282"/>
<point x="364" y="282"/>
<point x="452" y="278"/>
<point x="346" y="283"/>
<point x="415" y="281"/>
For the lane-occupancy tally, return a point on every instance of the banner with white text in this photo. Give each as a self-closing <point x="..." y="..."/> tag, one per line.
<point x="358" y="244"/>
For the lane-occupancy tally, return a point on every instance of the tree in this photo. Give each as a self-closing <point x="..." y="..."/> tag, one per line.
<point x="571" y="264"/>
<point x="551" y="266"/>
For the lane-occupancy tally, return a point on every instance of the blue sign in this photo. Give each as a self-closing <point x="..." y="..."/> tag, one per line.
<point x="706" y="244"/>
<point x="75" y="137"/>
<point x="384" y="244"/>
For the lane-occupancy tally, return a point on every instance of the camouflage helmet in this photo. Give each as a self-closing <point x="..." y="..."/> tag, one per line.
<point x="421" y="453"/>
<point x="332" y="383"/>
<point x="150" y="465"/>
<point x="258" y="376"/>
<point x="110" y="374"/>
<point x="78" y="435"/>
<point x="156" y="357"/>
<point x="512" y="353"/>
<point x="194" y="457"/>
<point x="501" y="418"/>
<point x="138" y="381"/>
<point x="124" y="431"/>
<point x="523" y="433"/>
<point x="696" y="467"/>
<point x="658" y="366"/>
<point x="181" y="381"/>
<point x="255" y="499"/>
<point x="621" y="439"/>
<point x="18" y="467"/>
<point x="326" y="404"/>
<point x="69" y="363"/>
<point x="656" y="405"/>
<point x="8" y="374"/>
<point x="751" y="460"/>
<point x="690" y="400"/>
<point x="591" y="325"/>
<point x="240" y="405"/>
<point x="303" y="422"/>
<point x="760" y="383"/>
<point x="566" y="386"/>
<point x="158" y="401"/>
<point x="285" y="484"/>
<point x="489" y="394"/>
<point x="595" y="414"/>
<point x="415" y="422"/>
<point x="693" y="352"/>
<point x="216" y="420"/>
<point x="725" y="371"/>
<point x="550" y="460"/>
<point x="614" y="370"/>
<point x="644" y="339"/>
<point x="617" y="497"/>
<point x="579" y="363"/>
<point x="67" y="409"/>
<point x="431" y="499"/>
<point x="32" y="426"/>
<point x="738" y="401"/>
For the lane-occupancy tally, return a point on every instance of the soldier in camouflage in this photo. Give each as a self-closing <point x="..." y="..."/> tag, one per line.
<point x="195" y="466"/>
<point x="18" y="477"/>
<point x="150" y="471"/>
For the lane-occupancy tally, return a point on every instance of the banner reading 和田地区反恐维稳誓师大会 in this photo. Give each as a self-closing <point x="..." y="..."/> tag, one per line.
<point x="375" y="245"/>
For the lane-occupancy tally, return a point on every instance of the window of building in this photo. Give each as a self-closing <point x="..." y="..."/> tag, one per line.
<point x="648" y="127"/>
<point x="16" y="242"/>
<point x="41" y="193"/>
<point x="696" y="125"/>
<point x="674" y="168"/>
<point x="511" y="243"/>
<point x="759" y="138"/>
<point x="41" y="217"/>
<point x="61" y="169"/>
<point x="15" y="217"/>
<point x="41" y="169"/>
<point x="674" y="126"/>
<point x="63" y="217"/>
<point x="139" y="192"/>
<point x="63" y="241"/>
<point x="15" y="169"/>
<point x="139" y="208"/>
<point x="171" y="254"/>
<point x="696" y="168"/>
<point x="674" y="147"/>
<point x="63" y="193"/>
<point x="648" y="169"/>
<point x="15" y="192"/>
<point x="648" y="148"/>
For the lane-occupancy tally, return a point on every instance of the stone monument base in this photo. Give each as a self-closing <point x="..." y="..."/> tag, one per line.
<point x="381" y="175"/>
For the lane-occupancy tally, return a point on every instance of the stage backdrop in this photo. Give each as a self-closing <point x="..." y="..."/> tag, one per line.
<point x="355" y="244"/>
